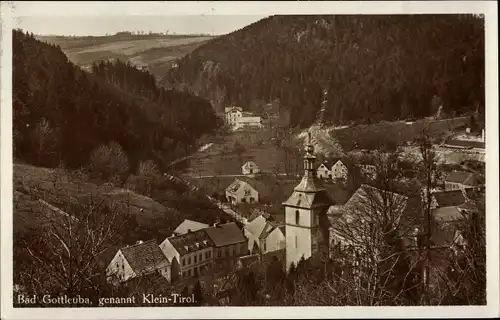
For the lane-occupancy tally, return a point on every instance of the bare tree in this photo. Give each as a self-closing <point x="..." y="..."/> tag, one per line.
<point x="67" y="251"/>
<point x="43" y="140"/>
<point x="368" y="238"/>
<point x="109" y="162"/>
<point x="429" y="177"/>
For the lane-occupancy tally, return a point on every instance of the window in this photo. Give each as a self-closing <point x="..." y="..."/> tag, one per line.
<point x="297" y="216"/>
<point x="189" y="260"/>
<point x="200" y="257"/>
<point x="218" y="254"/>
<point x="194" y="258"/>
<point x="183" y="261"/>
<point x="264" y="246"/>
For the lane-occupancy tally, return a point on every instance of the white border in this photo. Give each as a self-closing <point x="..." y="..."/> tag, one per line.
<point x="10" y="11"/>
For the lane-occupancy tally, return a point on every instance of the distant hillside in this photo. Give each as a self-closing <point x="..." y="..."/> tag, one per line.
<point x="62" y="114"/>
<point x="156" y="52"/>
<point x="371" y="67"/>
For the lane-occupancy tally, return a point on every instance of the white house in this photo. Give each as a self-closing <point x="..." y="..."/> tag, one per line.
<point x="232" y="115"/>
<point x="263" y="236"/>
<point x="188" y="226"/>
<point x="323" y="172"/>
<point x="241" y="192"/>
<point x="339" y="170"/>
<point x="237" y="118"/>
<point x="250" y="168"/>
<point x="141" y="259"/>
<point x="190" y="254"/>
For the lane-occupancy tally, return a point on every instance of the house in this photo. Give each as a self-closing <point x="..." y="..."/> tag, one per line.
<point x="240" y="191"/>
<point x="323" y="171"/>
<point x="249" y="121"/>
<point x="250" y="168"/>
<point x="460" y="180"/>
<point x="264" y="236"/>
<point x="191" y="254"/>
<point x="472" y="145"/>
<point x="339" y="170"/>
<point x="188" y="226"/>
<point x="228" y="243"/>
<point x="448" y="198"/>
<point x="232" y="115"/>
<point x="141" y="259"/>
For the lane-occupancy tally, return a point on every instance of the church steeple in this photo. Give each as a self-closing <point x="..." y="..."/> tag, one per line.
<point x="306" y="225"/>
<point x="307" y="184"/>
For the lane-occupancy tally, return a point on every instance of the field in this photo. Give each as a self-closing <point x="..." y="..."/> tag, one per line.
<point x="155" y="52"/>
<point x="394" y="133"/>
<point x="223" y="159"/>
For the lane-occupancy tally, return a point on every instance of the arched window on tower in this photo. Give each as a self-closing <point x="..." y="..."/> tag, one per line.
<point x="297" y="217"/>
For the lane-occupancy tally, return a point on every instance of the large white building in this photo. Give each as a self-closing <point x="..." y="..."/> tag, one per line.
<point x="236" y="118"/>
<point x="306" y="225"/>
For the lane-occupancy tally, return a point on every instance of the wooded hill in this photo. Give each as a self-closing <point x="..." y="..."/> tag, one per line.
<point x="372" y="67"/>
<point x="62" y="113"/>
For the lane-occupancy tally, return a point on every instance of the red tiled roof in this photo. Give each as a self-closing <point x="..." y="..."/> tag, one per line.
<point x="145" y="256"/>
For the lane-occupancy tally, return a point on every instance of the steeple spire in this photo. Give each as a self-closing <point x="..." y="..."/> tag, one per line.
<point x="307" y="184"/>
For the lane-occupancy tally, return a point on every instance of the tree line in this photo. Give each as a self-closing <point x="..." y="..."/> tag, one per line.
<point x="62" y="114"/>
<point x="344" y="69"/>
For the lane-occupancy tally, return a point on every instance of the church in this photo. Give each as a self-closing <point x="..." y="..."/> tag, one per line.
<point x="306" y="222"/>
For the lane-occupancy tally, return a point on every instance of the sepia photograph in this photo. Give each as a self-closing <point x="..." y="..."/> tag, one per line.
<point x="213" y="156"/>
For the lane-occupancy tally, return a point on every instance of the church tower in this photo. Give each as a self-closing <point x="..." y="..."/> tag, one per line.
<point x="306" y="224"/>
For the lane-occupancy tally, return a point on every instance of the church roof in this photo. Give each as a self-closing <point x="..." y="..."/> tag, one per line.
<point x="309" y="200"/>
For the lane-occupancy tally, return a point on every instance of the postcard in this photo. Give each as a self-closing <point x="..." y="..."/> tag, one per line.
<point x="249" y="159"/>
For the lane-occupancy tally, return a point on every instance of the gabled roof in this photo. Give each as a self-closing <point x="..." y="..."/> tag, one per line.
<point x="256" y="226"/>
<point x="268" y="228"/>
<point x="145" y="256"/>
<point x="309" y="200"/>
<point x="187" y="225"/>
<point x="249" y="164"/>
<point x="225" y="234"/>
<point x="367" y="195"/>
<point x="465" y="178"/>
<point x="447" y="214"/>
<point x="449" y="198"/>
<point x="237" y="184"/>
<point x="255" y="183"/>
<point x="191" y="241"/>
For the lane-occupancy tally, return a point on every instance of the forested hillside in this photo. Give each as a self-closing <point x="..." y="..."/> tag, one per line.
<point x="62" y="114"/>
<point x="372" y="67"/>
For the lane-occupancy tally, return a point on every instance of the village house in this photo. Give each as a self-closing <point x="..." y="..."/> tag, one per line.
<point x="241" y="192"/>
<point x="250" y="168"/>
<point x="335" y="170"/>
<point x="232" y="115"/>
<point x="339" y="170"/>
<point x="141" y="259"/>
<point x="228" y="243"/>
<point x="264" y="236"/>
<point x="188" y="226"/>
<point x="323" y="171"/>
<point x="191" y="254"/>
<point x="237" y="118"/>
<point x="460" y="180"/>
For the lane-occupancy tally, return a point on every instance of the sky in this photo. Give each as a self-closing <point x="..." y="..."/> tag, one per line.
<point x="100" y="25"/>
